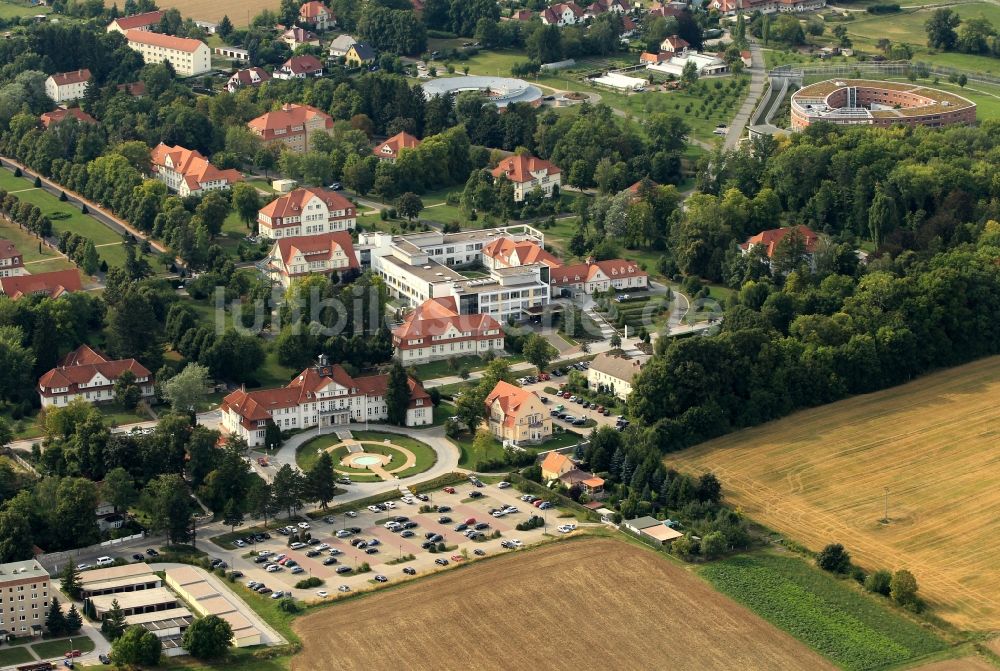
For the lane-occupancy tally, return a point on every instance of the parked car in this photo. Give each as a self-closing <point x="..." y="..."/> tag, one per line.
<point x="344" y="569"/>
<point x="381" y="578"/>
<point x="322" y="594"/>
<point x="450" y="490"/>
<point x="479" y="552"/>
<point x="441" y="561"/>
<point x="329" y="561"/>
<point x="503" y="485"/>
<point x="409" y="570"/>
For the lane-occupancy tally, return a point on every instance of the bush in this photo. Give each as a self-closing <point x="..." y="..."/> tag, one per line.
<point x="309" y="582"/>
<point x="878" y="582"/>
<point x="834" y="558"/>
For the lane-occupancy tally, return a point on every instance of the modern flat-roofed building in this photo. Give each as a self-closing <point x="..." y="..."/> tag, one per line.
<point x="435" y="330"/>
<point x="24" y="597"/>
<point x="65" y="86"/>
<point x="306" y="211"/>
<point x="188" y="57"/>
<point x="118" y="579"/>
<point x="293" y="126"/>
<point x="132" y="603"/>
<point x="11" y="260"/>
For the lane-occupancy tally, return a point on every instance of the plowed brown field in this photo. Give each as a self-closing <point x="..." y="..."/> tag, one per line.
<point x="585" y="604"/>
<point x="820" y="477"/>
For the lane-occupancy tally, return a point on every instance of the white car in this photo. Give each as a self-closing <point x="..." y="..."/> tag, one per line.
<point x="374" y="509"/>
<point x="273" y="568"/>
<point x="297" y="546"/>
<point x="498" y="513"/>
<point x="323" y="546"/>
<point x="264" y="553"/>
<point x="503" y="485"/>
<point x="570" y="526"/>
<point x="390" y="505"/>
<point x="238" y="543"/>
<point x="511" y="509"/>
<point x="563" y="529"/>
<point x="344" y="588"/>
<point x="351" y="513"/>
<point x="322" y="594"/>
<point x="303" y="525"/>
<point x="407" y="500"/>
<point x="516" y="543"/>
<point x="343" y="533"/>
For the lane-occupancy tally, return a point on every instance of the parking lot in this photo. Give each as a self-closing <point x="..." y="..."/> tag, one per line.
<point x="371" y="525"/>
<point x="574" y="408"/>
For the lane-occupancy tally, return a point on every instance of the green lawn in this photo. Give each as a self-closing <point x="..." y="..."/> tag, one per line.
<point x="58" y="648"/>
<point x="58" y="263"/>
<point x="115" y="256"/>
<point x="116" y="415"/>
<point x="18" y="655"/>
<point x="854" y="630"/>
<point x="26" y="243"/>
<point x="449" y="367"/>
<point x="470" y="456"/>
<point x="14" y="10"/>
<point x="273" y="374"/>
<point x="307" y="453"/>
<point x="422" y="451"/>
<point x="491" y="63"/>
<point x="76" y="222"/>
<point x="261" y="184"/>
<point x="8" y="182"/>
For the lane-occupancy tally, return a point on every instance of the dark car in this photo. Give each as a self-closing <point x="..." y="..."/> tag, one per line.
<point x="381" y="578"/>
<point x="475" y="495"/>
<point x="354" y="530"/>
<point x="410" y="525"/>
<point x="436" y="538"/>
<point x="137" y="557"/>
<point x="407" y="534"/>
<point x="410" y="570"/>
<point x="426" y="545"/>
<point x="479" y="552"/>
<point x="444" y="519"/>
<point x="441" y="562"/>
<point x="444" y="509"/>
<point x="313" y="541"/>
<point x="104" y="659"/>
<point x="481" y="526"/>
<point x="461" y="527"/>
<point x="152" y="553"/>
<point x="313" y="553"/>
<point x="236" y="574"/>
<point x="371" y="551"/>
<point x="329" y="561"/>
<point x="344" y="569"/>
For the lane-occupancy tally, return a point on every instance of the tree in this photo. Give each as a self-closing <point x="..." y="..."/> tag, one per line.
<point x="127" y="392"/>
<point x="713" y="544"/>
<point x="6" y="433"/>
<point x="616" y="340"/>
<point x="55" y="621"/>
<point x="114" y="623"/>
<point x="319" y="480"/>
<point x="233" y="515"/>
<point x="409" y="205"/>
<point x="834" y="558"/>
<point x="903" y="588"/>
<point x="940" y="29"/>
<point x="137" y="647"/>
<point x="186" y="390"/>
<point x="689" y="75"/>
<point x="225" y="27"/>
<point x="879" y="582"/>
<point x="397" y="395"/>
<point x="484" y="442"/>
<point x="246" y="202"/>
<point x="538" y="351"/>
<point x="70" y="582"/>
<point x="208" y="637"/>
<point x="73" y="620"/>
<point x="168" y="504"/>
<point x="288" y="487"/>
<point x="881" y="215"/>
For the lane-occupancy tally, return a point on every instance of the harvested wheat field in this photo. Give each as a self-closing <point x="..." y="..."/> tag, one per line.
<point x="585" y="604"/>
<point x="240" y="12"/>
<point x="819" y="476"/>
<point x="961" y="664"/>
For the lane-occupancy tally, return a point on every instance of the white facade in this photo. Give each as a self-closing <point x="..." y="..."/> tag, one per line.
<point x="310" y="218"/>
<point x="452" y="345"/>
<point x="187" y="60"/>
<point x="73" y="89"/>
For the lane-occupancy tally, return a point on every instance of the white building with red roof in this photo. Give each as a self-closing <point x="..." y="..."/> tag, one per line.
<point x="528" y="173"/>
<point x="306" y="211"/>
<point x="765" y="6"/>
<point x="436" y="330"/>
<point x="87" y="374"/>
<point x="389" y="150"/>
<point x="321" y="396"/>
<point x="509" y="253"/>
<point x="591" y="276"/>
<point x="188" y="57"/>
<point x="517" y="415"/>
<point x="563" y="14"/>
<point x="187" y="172"/>
<point x="59" y="114"/>
<point x="247" y="77"/>
<point x="300" y="67"/>
<point x="292" y="126"/>
<point x="146" y="21"/>
<point x="65" y="86"/>
<point x="317" y="15"/>
<point x="11" y="260"/>
<point x="674" y="45"/>
<point x="297" y="36"/>
<point x="322" y="254"/>
<point x="52" y="284"/>
<point x="768" y="240"/>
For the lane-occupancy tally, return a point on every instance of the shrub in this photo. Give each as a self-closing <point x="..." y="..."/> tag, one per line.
<point x="903" y="588"/>
<point x="878" y="582"/>
<point x="834" y="558"/>
<point x="309" y="582"/>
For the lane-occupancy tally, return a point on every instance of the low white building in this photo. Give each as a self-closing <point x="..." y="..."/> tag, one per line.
<point x="89" y="375"/>
<point x="706" y="65"/>
<point x="321" y="254"/>
<point x="435" y="331"/>
<point x="528" y="173"/>
<point x="306" y="211"/>
<point x="591" y="276"/>
<point x="613" y="374"/>
<point x="323" y="395"/>
<point x="66" y="86"/>
<point x="616" y="80"/>
<point x="187" y="172"/>
<point x="188" y="57"/>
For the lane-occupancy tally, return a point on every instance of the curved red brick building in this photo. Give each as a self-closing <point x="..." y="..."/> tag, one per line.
<point x="873" y="103"/>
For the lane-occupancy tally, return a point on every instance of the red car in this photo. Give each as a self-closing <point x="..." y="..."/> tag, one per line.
<point x="450" y="490"/>
<point x="457" y="557"/>
<point x="566" y="394"/>
<point x="544" y="377"/>
<point x="73" y="653"/>
<point x="470" y="521"/>
<point x="538" y="502"/>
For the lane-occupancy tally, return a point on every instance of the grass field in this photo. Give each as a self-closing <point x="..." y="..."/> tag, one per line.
<point x="19" y="655"/>
<point x="821" y="475"/>
<point x="14" y="10"/>
<point x="853" y="630"/>
<point x="240" y="12"/>
<point x="594" y="603"/>
<point x="26" y="243"/>
<point x="50" y="649"/>
<point x="306" y="454"/>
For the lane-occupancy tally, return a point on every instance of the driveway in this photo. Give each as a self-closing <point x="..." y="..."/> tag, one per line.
<point x="758" y="77"/>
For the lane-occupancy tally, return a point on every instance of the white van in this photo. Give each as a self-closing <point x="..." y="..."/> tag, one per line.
<point x="105" y="561"/>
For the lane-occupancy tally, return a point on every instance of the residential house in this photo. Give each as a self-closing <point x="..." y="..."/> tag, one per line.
<point x="27" y="584"/>
<point x="52" y="284"/>
<point x="674" y="45"/>
<point x="528" y="173"/>
<point x="187" y="172"/>
<point x="389" y="150"/>
<point x="11" y="260"/>
<point x="87" y="374"/>
<point x="562" y="14"/>
<point x="300" y="67"/>
<point x="341" y="45"/>
<point x="317" y="15"/>
<point x="604" y="6"/>
<point x="629" y="27"/>
<point x="188" y="57"/>
<point x="591" y="276"/>
<point x="517" y="415"/>
<point x="555" y="465"/>
<point x="66" y="86"/>
<point x="522" y="15"/>
<point x="591" y="485"/>
<point x="292" y="126"/>
<point x="322" y="396"/>
<point x="248" y="77"/>
<point x="296" y="37"/>
<point x="359" y="54"/>
<point x="59" y="114"/>
<point x="509" y="253"/>
<point x="147" y="21"/>
<point x="321" y="254"/>
<point x="768" y="241"/>
<point x="613" y="374"/>
<point x="648" y="58"/>
<point x="306" y="211"/>
<point x="436" y="330"/>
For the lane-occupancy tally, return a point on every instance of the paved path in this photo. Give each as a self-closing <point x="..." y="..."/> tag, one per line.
<point x="758" y="77"/>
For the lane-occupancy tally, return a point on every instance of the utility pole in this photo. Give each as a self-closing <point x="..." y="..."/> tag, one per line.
<point x="885" y="517"/>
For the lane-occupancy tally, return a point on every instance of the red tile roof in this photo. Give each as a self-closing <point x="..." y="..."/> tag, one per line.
<point x="554" y="462"/>
<point x="192" y="165"/>
<point x="677" y="43"/>
<point x="8" y="250"/>
<point x="249" y="77"/>
<point x="139" y="20"/>
<point x="647" y="57"/>
<point x="81" y="366"/>
<point x="585" y="272"/>
<point x="55" y="284"/>
<point x="59" y="114"/>
<point x="553" y="13"/>
<point x="292" y="204"/>
<point x="318" y="247"/>
<point x="133" y="88"/>
<point x="75" y="77"/>
<point x="435" y="317"/>
<point x="527" y="252"/>
<point x="165" y="41"/>
<point x="289" y="115"/>
<point x="522" y="15"/>
<point x="391" y="147"/>
<point x="770" y="238"/>
<point x="302" y="65"/>
<point x="519" y="168"/>
<point x="635" y="188"/>
<point x="511" y="398"/>
<point x="300" y="36"/>
<point x="312" y="10"/>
